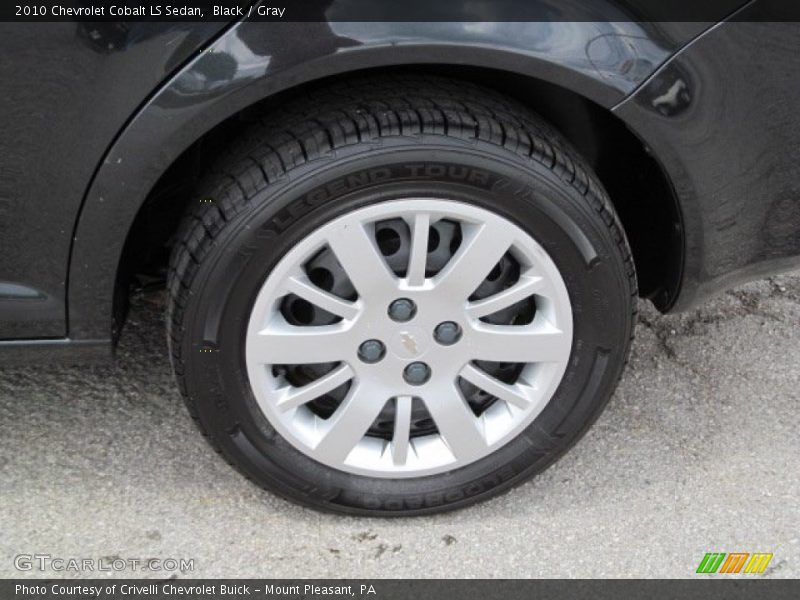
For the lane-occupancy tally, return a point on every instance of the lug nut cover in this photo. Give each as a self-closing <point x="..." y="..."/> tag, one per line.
<point x="447" y="333"/>
<point x="402" y="310"/>
<point x="417" y="373"/>
<point x="371" y="351"/>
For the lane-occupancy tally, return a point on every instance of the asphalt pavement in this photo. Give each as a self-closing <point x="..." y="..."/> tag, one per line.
<point x="698" y="451"/>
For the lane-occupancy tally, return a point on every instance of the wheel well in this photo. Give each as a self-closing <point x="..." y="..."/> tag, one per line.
<point x="637" y="186"/>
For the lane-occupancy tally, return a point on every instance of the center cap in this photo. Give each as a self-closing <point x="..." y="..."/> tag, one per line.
<point x="409" y="343"/>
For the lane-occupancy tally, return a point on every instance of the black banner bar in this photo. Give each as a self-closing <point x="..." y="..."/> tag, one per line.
<point x="395" y="10"/>
<point x="702" y="588"/>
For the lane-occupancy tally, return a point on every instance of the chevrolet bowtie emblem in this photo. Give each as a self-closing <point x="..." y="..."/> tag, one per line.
<point x="409" y="342"/>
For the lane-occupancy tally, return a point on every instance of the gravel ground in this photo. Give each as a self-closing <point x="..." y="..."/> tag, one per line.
<point x="698" y="451"/>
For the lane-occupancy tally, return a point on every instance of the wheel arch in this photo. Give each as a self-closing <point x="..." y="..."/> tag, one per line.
<point x="167" y="142"/>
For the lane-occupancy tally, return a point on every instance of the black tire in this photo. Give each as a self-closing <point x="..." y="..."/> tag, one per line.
<point x="285" y="178"/>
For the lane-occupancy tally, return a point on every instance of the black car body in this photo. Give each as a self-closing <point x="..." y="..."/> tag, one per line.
<point x="701" y="115"/>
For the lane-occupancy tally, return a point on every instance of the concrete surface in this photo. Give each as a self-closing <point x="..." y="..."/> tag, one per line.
<point x="698" y="451"/>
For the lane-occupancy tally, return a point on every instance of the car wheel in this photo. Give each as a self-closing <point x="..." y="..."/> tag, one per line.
<point x="399" y="296"/>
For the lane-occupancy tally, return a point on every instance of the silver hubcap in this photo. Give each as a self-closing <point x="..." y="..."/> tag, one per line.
<point x="408" y="338"/>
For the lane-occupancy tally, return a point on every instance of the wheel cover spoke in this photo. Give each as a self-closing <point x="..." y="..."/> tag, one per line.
<point x="302" y="286"/>
<point x="294" y="397"/>
<point x="356" y="384"/>
<point x="361" y="260"/>
<point x="458" y="426"/>
<point x="479" y="253"/>
<point x="349" y="423"/>
<point x="402" y="429"/>
<point x="285" y="344"/>
<point x="419" y="249"/>
<point x="513" y="394"/>
<point x="524" y="288"/>
<point x="504" y="343"/>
